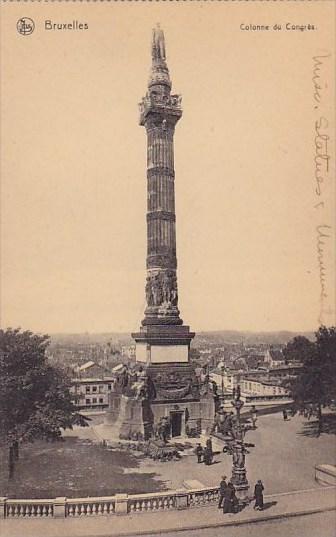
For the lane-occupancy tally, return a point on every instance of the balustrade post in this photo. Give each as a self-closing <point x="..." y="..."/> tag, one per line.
<point x="181" y="499"/>
<point x="60" y="507"/>
<point x="121" y="504"/>
<point x="3" y="501"/>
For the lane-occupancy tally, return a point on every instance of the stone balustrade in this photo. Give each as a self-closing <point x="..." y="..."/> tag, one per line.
<point x="197" y="498"/>
<point x="76" y="507"/>
<point x="141" y="503"/>
<point x="120" y="504"/>
<point x="26" y="508"/>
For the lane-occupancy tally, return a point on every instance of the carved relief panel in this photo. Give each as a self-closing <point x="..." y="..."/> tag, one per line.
<point x="161" y="288"/>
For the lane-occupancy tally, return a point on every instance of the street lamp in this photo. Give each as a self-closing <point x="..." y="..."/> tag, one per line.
<point x="239" y="477"/>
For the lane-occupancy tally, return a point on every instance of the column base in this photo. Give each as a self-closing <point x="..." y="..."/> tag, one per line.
<point x="241" y="485"/>
<point x="162" y="315"/>
<point x="242" y="494"/>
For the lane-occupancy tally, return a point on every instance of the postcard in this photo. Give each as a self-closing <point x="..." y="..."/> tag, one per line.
<point x="168" y="220"/>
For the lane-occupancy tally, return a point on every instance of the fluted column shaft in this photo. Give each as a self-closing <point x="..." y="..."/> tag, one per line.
<point x="161" y="243"/>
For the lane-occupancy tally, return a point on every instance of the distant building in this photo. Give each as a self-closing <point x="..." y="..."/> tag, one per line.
<point x="91" y="386"/>
<point x="230" y="379"/>
<point x="89" y="369"/>
<point x="263" y="390"/>
<point x="254" y="360"/>
<point x="274" y="358"/>
<point x="129" y="351"/>
<point x="262" y="386"/>
<point x="285" y="371"/>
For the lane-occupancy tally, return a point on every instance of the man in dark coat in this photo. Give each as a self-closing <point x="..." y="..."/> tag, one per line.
<point x="199" y="453"/>
<point x="209" y="444"/>
<point x="222" y="489"/>
<point x="229" y="495"/>
<point x="258" y="495"/>
<point x="208" y="455"/>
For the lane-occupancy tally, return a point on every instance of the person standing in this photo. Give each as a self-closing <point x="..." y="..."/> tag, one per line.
<point x="199" y="453"/>
<point x="207" y="456"/>
<point x="254" y="416"/>
<point x="222" y="489"/>
<point x="208" y="453"/>
<point x="285" y="415"/>
<point x="229" y="496"/>
<point x="209" y="444"/>
<point x="259" y="496"/>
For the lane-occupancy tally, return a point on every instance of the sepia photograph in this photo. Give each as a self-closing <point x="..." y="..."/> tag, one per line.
<point x="168" y="248"/>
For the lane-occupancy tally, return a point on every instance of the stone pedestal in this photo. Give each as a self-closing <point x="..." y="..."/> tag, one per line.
<point x="241" y="485"/>
<point x="131" y="416"/>
<point x="176" y="398"/>
<point x="59" y="507"/>
<point x="181" y="499"/>
<point x="242" y="493"/>
<point x="163" y="344"/>
<point x="121" y="501"/>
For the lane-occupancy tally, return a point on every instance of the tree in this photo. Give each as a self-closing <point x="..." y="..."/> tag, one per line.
<point x="35" y="399"/>
<point x="326" y="349"/>
<point x="315" y="384"/>
<point x="296" y="349"/>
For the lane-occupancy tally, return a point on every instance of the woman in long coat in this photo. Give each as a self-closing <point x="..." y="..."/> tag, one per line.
<point x="258" y="495"/>
<point x="229" y="495"/>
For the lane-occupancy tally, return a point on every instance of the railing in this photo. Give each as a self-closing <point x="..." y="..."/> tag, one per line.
<point x="120" y="504"/>
<point x="28" y="508"/>
<point x="76" y="507"/>
<point x="198" y="498"/>
<point x="141" y="503"/>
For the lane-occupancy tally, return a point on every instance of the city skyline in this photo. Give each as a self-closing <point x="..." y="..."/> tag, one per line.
<point x="74" y="194"/>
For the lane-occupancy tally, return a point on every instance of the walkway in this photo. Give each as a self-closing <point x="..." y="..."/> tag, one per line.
<point x="277" y="507"/>
<point x="284" y="458"/>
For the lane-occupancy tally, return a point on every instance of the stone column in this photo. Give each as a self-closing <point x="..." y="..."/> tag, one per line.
<point x="162" y="337"/>
<point x="159" y="113"/>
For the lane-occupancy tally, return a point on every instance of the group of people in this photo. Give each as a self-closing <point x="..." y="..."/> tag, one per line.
<point x="228" y="499"/>
<point x="225" y="422"/>
<point x="308" y="412"/>
<point x="204" y="454"/>
<point x="227" y="496"/>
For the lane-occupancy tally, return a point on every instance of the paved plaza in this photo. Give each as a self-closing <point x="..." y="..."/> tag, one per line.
<point x="283" y="457"/>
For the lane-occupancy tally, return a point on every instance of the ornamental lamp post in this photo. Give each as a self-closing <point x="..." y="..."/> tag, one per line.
<point x="239" y="478"/>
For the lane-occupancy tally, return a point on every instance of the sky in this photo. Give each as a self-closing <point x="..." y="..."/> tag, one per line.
<point x="73" y="175"/>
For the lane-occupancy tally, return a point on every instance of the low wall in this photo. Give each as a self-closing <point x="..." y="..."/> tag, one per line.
<point x="120" y="504"/>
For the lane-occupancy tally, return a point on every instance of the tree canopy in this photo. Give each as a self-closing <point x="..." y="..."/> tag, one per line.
<point x="316" y="383"/>
<point x="35" y="399"/>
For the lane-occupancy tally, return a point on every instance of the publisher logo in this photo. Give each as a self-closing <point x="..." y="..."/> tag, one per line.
<point x="25" y="26"/>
